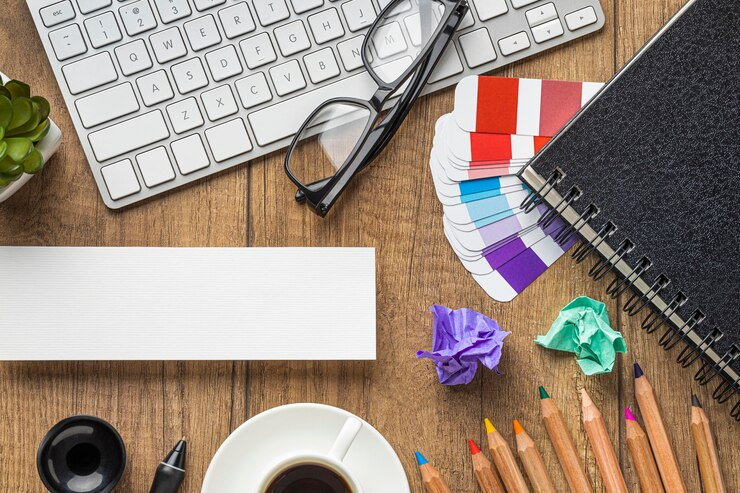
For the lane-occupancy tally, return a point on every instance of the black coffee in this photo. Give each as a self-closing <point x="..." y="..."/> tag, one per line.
<point x="308" y="478"/>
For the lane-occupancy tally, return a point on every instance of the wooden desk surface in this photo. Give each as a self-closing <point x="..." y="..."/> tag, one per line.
<point x="392" y="208"/>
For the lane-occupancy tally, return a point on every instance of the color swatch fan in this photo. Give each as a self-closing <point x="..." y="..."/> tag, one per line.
<point x="498" y="125"/>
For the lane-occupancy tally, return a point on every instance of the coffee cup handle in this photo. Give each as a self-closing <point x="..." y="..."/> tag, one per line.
<point x="345" y="438"/>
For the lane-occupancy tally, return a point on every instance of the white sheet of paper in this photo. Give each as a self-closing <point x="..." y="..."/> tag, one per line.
<point x="64" y="303"/>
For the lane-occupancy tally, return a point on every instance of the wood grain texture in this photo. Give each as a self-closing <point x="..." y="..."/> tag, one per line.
<point x="392" y="208"/>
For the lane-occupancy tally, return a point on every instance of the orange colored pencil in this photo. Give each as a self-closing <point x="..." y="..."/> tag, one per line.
<point x="430" y="477"/>
<point x="483" y="470"/>
<point x="642" y="456"/>
<point x="706" y="451"/>
<point x="562" y="442"/>
<point x="606" y="459"/>
<point x="505" y="461"/>
<point x="665" y="457"/>
<point x="539" y="478"/>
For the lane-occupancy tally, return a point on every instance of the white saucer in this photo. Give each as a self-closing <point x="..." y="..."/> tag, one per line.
<point x="240" y="462"/>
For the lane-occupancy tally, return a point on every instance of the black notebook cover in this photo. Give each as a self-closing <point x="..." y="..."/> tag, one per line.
<point x="658" y="152"/>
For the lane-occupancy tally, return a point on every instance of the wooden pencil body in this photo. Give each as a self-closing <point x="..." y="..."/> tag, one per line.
<point x="432" y="481"/>
<point x="706" y="453"/>
<point x="486" y="476"/>
<point x="665" y="458"/>
<point x="506" y="464"/>
<point x="643" y="460"/>
<point x="606" y="459"/>
<point x="565" y="449"/>
<point x="534" y="465"/>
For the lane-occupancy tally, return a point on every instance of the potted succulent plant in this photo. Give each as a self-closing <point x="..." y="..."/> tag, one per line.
<point x="28" y="138"/>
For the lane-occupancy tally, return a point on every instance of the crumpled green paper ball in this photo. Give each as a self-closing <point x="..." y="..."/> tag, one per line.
<point x="582" y="327"/>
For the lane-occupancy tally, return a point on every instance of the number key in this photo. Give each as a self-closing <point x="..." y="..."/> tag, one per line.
<point x="172" y="10"/>
<point x="103" y="30"/>
<point x="138" y="17"/>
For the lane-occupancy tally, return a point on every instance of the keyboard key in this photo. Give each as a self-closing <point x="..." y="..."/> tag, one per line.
<point x="128" y="136"/>
<point x="224" y="63"/>
<point x="185" y="115"/>
<point x="172" y="10"/>
<point x="155" y="88"/>
<point x="271" y="11"/>
<point x="87" y="6"/>
<point x="521" y="3"/>
<point x="190" y="154"/>
<point x="292" y="38"/>
<point x="258" y="50"/>
<point x="168" y="45"/>
<point x="107" y="105"/>
<point x="133" y="57"/>
<point x="448" y="66"/>
<point x="581" y="18"/>
<point x="405" y="6"/>
<point x="219" y="103"/>
<point x="155" y="167"/>
<point x="137" y="17"/>
<point x="201" y="5"/>
<point x="57" y="13"/>
<point x="350" y="52"/>
<point x="228" y="140"/>
<point x="253" y="90"/>
<point x="120" y="179"/>
<point x="477" y="48"/>
<point x="270" y="125"/>
<point x="321" y="65"/>
<point x="202" y="33"/>
<point x="392" y="38"/>
<point x="301" y="6"/>
<point x="547" y="31"/>
<point x="103" y="30"/>
<point x="541" y="14"/>
<point x="326" y="26"/>
<point x="359" y="14"/>
<point x="287" y="78"/>
<point x="89" y="73"/>
<point x="189" y="75"/>
<point x="488" y="9"/>
<point x="514" y="43"/>
<point x="413" y="27"/>
<point x="236" y="20"/>
<point x="67" y="42"/>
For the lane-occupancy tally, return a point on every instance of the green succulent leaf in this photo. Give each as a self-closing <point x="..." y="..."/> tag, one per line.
<point x="4" y="182"/>
<point x="29" y="125"/>
<point x="22" y="113"/>
<point x="3" y="149"/>
<point x="13" y="172"/>
<point x="38" y="133"/>
<point x="5" y="92"/>
<point x="6" y="111"/>
<point x="43" y="106"/>
<point x="34" y="162"/>
<point x="19" y="149"/>
<point x="18" y="89"/>
<point x="2" y="134"/>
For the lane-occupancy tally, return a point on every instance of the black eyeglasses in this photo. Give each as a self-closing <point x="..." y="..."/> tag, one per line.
<point x="343" y="135"/>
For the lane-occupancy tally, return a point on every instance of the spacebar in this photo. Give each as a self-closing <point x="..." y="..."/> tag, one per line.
<point x="285" y="119"/>
<point x="129" y="135"/>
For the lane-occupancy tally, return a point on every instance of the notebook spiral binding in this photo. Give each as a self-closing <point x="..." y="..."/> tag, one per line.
<point x="654" y="320"/>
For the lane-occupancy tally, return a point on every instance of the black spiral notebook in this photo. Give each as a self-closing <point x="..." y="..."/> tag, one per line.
<point x="648" y="174"/>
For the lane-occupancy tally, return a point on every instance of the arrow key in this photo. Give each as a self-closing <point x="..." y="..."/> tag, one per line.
<point x="581" y="18"/>
<point x="547" y="31"/>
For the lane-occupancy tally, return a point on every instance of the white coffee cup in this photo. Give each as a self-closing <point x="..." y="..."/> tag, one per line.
<point x="333" y="460"/>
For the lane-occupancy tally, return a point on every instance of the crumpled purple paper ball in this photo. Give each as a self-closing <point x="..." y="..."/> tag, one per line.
<point x="460" y="339"/>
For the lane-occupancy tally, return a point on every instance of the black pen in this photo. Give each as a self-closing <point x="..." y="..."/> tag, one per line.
<point x="171" y="471"/>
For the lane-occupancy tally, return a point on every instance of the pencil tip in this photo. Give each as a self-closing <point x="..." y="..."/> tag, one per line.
<point x="420" y="459"/>
<point x="638" y="370"/>
<point x="585" y="398"/>
<point x="695" y="401"/>
<point x="474" y="449"/>
<point x="543" y="393"/>
<point x="628" y="414"/>
<point x="517" y="427"/>
<point x="489" y="426"/>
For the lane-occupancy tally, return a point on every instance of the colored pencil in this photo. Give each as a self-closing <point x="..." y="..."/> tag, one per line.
<point x="706" y="451"/>
<point x="505" y="461"/>
<point x="433" y="482"/>
<point x="606" y="459"/>
<point x="642" y="456"/>
<point x="562" y="442"/>
<point x="483" y="470"/>
<point x="532" y="461"/>
<point x="665" y="457"/>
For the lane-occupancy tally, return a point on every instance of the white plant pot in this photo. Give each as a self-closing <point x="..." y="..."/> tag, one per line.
<point x="48" y="146"/>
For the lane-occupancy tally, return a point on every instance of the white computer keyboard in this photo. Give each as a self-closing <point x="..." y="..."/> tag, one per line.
<point x="165" y="92"/>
